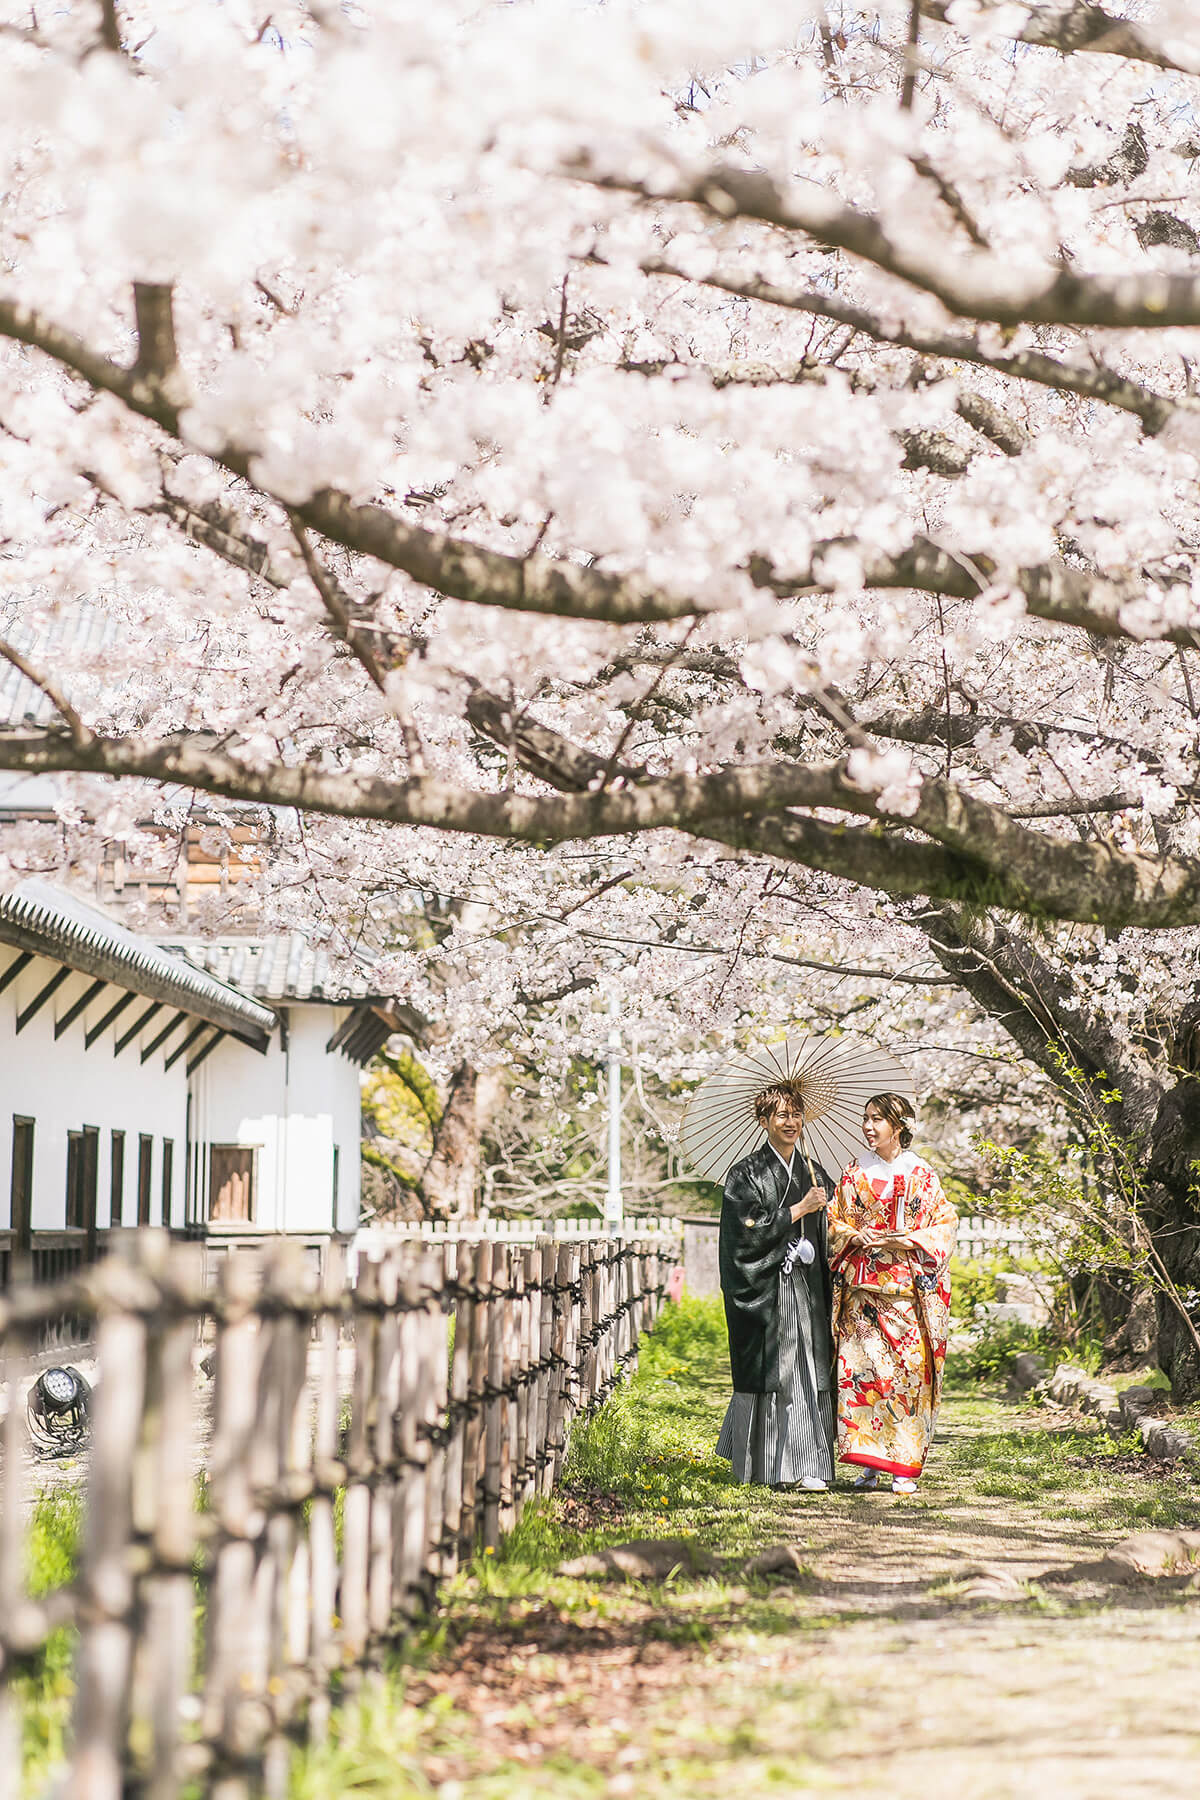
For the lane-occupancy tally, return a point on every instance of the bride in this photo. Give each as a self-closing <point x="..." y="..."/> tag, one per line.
<point x="891" y="1236"/>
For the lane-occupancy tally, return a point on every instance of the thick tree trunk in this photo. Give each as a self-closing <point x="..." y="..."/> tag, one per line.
<point x="1155" y="1110"/>
<point x="450" y="1179"/>
<point x="1177" y="1240"/>
<point x="1173" y="1215"/>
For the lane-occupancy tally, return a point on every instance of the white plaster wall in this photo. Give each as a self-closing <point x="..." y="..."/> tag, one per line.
<point x="293" y="1104"/>
<point x="62" y="1087"/>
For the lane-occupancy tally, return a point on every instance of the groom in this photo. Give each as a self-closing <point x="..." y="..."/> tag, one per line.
<point x="779" y="1428"/>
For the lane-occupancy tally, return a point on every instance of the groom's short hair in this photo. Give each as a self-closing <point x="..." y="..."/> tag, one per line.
<point x="766" y="1102"/>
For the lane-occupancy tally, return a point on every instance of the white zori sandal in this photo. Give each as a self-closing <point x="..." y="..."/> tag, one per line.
<point x="903" y="1484"/>
<point x="868" y="1480"/>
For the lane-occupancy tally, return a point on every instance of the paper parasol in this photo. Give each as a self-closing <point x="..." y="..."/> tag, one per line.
<point x="835" y="1076"/>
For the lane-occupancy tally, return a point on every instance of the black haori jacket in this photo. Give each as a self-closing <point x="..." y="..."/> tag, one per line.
<point x="756" y="1226"/>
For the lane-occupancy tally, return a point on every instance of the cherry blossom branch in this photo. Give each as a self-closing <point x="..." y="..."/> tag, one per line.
<point x="357" y="642"/>
<point x="973" y="287"/>
<point x="928" y="725"/>
<point x="932" y="725"/>
<point x="1041" y="1007"/>
<point x="219" y="529"/>
<point x="927" y="449"/>
<point x="1080" y="26"/>
<point x="859" y="971"/>
<point x="979" y="855"/>
<point x="542" y="584"/>
<point x="81" y="736"/>
<point x="1053" y="591"/>
<point x="1093" y="381"/>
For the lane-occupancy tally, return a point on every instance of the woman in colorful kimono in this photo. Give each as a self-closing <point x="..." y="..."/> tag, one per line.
<point x="891" y="1235"/>
<point x="775" y="1279"/>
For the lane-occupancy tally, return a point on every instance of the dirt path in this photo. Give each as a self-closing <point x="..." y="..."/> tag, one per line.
<point x="928" y="1652"/>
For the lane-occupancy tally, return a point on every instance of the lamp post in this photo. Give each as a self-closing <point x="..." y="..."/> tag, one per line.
<point x="614" y="1206"/>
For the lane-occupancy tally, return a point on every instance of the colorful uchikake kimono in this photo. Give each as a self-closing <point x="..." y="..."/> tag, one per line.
<point x="891" y="1315"/>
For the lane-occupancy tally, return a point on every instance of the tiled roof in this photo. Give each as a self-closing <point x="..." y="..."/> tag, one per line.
<point x="58" y="924"/>
<point x="69" y="642"/>
<point x="281" y="968"/>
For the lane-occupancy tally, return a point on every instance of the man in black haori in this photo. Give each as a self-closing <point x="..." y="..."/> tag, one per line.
<point x="779" y="1428"/>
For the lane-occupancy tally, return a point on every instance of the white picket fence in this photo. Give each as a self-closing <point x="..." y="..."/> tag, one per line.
<point x="370" y="1242"/>
<point x="980" y="1237"/>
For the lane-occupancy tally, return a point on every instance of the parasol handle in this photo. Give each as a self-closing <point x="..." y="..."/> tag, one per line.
<point x="809" y="1164"/>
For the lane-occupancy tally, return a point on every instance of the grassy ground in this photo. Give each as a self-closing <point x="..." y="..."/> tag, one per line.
<point x="927" y="1649"/>
<point x="44" y="1688"/>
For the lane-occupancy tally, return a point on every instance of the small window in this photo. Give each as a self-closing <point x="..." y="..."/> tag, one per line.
<point x="168" y="1170"/>
<point x="231" y="1182"/>
<point x="83" y="1168"/>
<point x="116" y="1183"/>
<point x="335" y="1187"/>
<point x="21" y="1189"/>
<point x="145" y="1165"/>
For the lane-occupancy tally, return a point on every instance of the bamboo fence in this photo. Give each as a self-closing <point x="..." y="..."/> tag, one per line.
<point x="304" y="1500"/>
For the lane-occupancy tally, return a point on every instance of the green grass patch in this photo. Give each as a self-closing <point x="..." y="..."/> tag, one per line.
<point x="44" y="1683"/>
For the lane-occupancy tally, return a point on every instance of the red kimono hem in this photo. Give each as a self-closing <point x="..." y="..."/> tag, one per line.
<point x="911" y="1470"/>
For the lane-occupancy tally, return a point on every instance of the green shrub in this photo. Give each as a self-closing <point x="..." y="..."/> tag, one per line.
<point x="692" y="1329"/>
<point x="995" y="1350"/>
<point x="972" y="1285"/>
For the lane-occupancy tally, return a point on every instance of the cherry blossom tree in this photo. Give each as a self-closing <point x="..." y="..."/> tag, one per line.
<point x="713" y="485"/>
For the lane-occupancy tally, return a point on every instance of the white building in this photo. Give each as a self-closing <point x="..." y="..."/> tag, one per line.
<point x="210" y="1088"/>
<point x="276" y="1137"/>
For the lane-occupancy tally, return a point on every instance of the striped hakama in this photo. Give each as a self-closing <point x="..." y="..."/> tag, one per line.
<point x="781" y="1436"/>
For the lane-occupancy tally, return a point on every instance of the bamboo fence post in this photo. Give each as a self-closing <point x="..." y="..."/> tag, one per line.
<point x="356" y="1507"/>
<point x="104" y="1659"/>
<point x="456" y="1419"/>
<point x="411" y="1591"/>
<point x="393" y="1351"/>
<point x="574" y="1337"/>
<point x="547" y="1261"/>
<point x="227" y="1674"/>
<point x="513" y="1302"/>
<point x="531" y="1333"/>
<point x="540" y="1404"/>
<point x="607" y="1322"/>
<point x="589" y="1283"/>
<point x="494" y="1406"/>
<point x="286" y="1600"/>
<point x="636" y="1285"/>
<point x="433" y="1407"/>
<point x="327" y="1477"/>
<point x="601" y="1323"/>
<point x="621" y="1272"/>
<point x="475" y="1439"/>
<point x="264" y="1612"/>
<point x="556" y="1394"/>
<point x="167" y="1592"/>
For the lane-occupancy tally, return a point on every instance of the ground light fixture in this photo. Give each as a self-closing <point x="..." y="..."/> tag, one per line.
<point x="59" y="1408"/>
